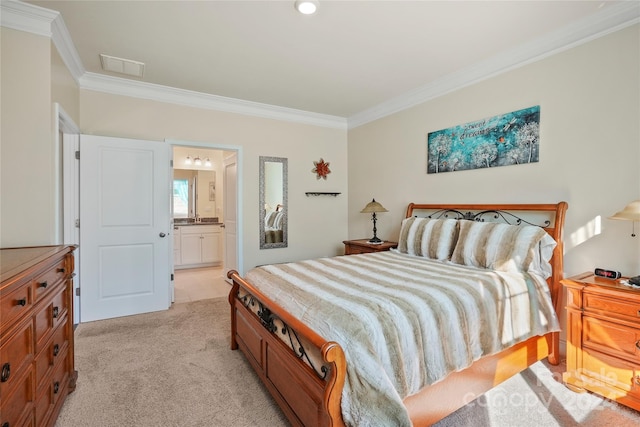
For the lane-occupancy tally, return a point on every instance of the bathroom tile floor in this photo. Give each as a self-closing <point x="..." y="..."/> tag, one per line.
<point x="199" y="283"/>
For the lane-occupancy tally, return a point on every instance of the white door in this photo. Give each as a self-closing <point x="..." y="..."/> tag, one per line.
<point x="124" y="227"/>
<point x="230" y="203"/>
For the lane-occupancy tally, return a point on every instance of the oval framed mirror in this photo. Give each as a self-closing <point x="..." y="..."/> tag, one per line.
<point x="273" y="208"/>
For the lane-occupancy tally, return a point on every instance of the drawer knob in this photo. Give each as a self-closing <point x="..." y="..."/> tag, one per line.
<point x="6" y="372"/>
<point x="21" y="301"/>
<point x="56" y="387"/>
<point x="638" y="344"/>
<point x="55" y="312"/>
<point x="61" y="270"/>
<point x="56" y="350"/>
<point x="5" y="424"/>
<point x="43" y="284"/>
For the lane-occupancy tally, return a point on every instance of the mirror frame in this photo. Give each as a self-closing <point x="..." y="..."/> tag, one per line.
<point x="285" y="210"/>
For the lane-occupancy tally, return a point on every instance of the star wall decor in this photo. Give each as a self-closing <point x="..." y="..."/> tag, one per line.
<point x="321" y="169"/>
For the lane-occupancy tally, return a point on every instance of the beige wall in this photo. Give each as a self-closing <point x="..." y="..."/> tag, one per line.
<point x="64" y="89"/>
<point x="26" y="150"/>
<point x="589" y="100"/>
<point x="317" y="225"/>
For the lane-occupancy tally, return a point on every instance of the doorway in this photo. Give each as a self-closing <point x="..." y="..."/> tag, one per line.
<point x="198" y="216"/>
<point x="72" y="205"/>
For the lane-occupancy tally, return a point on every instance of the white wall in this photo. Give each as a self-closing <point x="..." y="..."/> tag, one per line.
<point x="317" y="225"/>
<point x="589" y="100"/>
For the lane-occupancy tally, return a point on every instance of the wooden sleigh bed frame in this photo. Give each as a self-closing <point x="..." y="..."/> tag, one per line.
<point x="310" y="395"/>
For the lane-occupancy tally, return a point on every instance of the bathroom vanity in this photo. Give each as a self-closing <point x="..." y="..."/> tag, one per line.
<point x="197" y="244"/>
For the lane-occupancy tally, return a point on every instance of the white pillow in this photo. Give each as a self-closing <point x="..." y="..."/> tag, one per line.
<point x="428" y="238"/>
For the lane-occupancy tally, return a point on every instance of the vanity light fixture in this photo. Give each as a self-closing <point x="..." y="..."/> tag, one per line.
<point x="307" y="7"/>
<point x="197" y="161"/>
<point x="187" y="161"/>
<point x="207" y="163"/>
<point x="631" y="212"/>
<point x="373" y="207"/>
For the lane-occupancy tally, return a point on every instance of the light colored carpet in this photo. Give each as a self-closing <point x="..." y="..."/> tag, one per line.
<point x="175" y="368"/>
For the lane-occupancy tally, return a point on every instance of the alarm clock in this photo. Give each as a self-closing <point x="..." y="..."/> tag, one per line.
<point x="609" y="274"/>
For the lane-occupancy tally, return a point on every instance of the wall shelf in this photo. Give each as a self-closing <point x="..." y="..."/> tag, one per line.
<point x="320" y="193"/>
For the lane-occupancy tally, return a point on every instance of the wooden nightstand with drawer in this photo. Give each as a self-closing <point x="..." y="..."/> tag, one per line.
<point x="603" y="338"/>
<point x="362" y="246"/>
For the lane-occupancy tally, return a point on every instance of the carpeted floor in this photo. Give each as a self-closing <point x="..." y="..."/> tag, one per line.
<point x="175" y="368"/>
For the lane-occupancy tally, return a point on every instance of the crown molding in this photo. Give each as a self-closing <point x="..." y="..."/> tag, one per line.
<point x="43" y="22"/>
<point x="611" y="19"/>
<point x="26" y="17"/>
<point x="37" y="20"/>
<point x="153" y="92"/>
<point x="67" y="50"/>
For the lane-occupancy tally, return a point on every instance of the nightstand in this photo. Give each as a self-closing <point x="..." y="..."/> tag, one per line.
<point x="603" y="338"/>
<point x="362" y="246"/>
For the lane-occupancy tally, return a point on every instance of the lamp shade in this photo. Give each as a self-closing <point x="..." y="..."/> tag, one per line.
<point x="373" y="207"/>
<point x="631" y="212"/>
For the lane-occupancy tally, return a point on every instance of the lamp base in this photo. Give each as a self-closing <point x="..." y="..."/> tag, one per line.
<point x="374" y="239"/>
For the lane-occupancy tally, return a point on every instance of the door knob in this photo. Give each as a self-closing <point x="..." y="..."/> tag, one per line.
<point x="162" y="234"/>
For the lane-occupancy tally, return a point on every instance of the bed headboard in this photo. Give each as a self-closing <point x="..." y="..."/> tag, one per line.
<point x="548" y="216"/>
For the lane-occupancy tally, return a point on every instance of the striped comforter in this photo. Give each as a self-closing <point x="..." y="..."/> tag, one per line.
<point x="405" y="322"/>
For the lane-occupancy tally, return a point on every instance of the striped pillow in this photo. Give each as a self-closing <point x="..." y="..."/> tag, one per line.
<point x="429" y="238"/>
<point x="504" y="247"/>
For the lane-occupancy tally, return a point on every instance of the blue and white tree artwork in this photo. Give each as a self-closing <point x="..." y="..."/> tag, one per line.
<point x="507" y="139"/>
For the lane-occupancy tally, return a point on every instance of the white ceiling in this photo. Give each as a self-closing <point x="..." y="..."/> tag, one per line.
<point x="350" y="58"/>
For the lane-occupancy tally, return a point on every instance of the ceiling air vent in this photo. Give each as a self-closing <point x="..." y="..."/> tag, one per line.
<point x="122" y="66"/>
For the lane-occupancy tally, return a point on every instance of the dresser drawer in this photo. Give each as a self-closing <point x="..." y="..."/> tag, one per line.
<point x="46" y="281"/>
<point x="629" y="309"/>
<point x="49" y="315"/>
<point x="49" y="394"/>
<point x="355" y="250"/>
<point x="16" y="354"/>
<point x="19" y="401"/>
<point x="611" y="338"/>
<point x="52" y="354"/>
<point x="15" y="304"/>
<point x="611" y="371"/>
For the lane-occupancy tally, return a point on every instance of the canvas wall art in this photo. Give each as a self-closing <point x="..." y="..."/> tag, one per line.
<point x="507" y="139"/>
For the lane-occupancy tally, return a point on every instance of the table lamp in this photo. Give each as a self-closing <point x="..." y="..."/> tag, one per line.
<point x="631" y="212"/>
<point x="373" y="207"/>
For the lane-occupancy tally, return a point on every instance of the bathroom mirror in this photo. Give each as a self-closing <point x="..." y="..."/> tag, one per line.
<point x="194" y="193"/>
<point x="273" y="206"/>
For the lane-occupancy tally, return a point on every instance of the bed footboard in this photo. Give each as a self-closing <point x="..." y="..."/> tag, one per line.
<point x="307" y="389"/>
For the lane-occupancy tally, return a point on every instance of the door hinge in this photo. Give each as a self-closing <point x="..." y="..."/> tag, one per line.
<point x="78" y="155"/>
<point x="77" y="292"/>
<point x="171" y="163"/>
<point x="77" y="223"/>
<point x="172" y="277"/>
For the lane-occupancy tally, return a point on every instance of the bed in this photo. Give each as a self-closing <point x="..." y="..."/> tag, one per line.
<point x="312" y="366"/>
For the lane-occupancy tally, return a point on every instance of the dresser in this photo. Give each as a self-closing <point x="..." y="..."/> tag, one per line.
<point x="603" y="338"/>
<point x="36" y="334"/>
<point x="362" y="246"/>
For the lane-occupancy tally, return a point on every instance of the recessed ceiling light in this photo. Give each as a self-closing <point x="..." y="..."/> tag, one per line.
<point x="307" y="7"/>
<point x="122" y="66"/>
